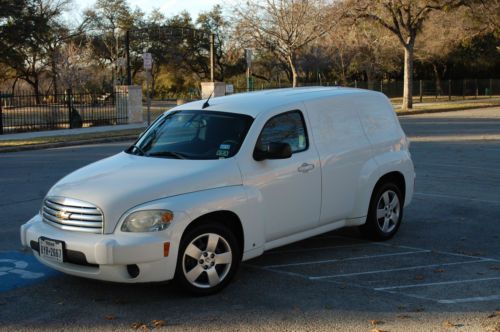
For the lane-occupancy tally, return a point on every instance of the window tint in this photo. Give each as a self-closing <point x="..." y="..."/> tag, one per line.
<point x="285" y="128"/>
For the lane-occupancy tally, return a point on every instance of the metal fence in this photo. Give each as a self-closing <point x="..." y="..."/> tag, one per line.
<point x="22" y="112"/>
<point x="451" y="89"/>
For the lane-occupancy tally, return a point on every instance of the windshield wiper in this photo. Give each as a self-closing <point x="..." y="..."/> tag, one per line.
<point x="135" y="146"/>
<point x="176" y="155"/>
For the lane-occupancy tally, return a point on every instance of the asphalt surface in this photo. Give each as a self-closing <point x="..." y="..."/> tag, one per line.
<point x="441" y="272"/>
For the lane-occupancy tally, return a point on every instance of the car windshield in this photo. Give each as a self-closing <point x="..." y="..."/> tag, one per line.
<point x="194" y="135"/>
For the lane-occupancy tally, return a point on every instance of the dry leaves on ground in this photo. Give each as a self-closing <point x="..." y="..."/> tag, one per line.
<point x="376" y="322"/>
<point x="139" y="326"/>
<point x="403" y="316"/>
<point x="378" y="330"/>
<point x="158" y="323"/>
<point x="449" y="324"/>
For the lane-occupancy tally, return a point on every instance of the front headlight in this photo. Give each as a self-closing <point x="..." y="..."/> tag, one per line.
<point x="147" y="221"/>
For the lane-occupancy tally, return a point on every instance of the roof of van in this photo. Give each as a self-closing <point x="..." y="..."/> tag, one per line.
<point x="254" y="103"/>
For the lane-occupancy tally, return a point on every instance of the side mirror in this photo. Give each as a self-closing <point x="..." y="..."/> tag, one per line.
<point x="273" y="150"/>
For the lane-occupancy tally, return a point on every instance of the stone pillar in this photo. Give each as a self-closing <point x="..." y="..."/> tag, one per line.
<point x="129" y="103"/>
<point x="219" y="89"/>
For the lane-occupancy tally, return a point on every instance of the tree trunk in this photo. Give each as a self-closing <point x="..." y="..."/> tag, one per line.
<point x="408" y="79"/>
<point x="370" y="79"/>
<point x="293" y="70"/>
<point x="54" y="77"/>
<point x="13" y="88"/>
<point x="438" y="78"/>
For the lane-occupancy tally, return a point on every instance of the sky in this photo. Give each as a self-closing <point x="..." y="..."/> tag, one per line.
<point x="167" y="7"/>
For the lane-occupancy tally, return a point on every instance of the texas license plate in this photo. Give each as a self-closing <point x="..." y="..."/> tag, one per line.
<point x="51" y="249"/>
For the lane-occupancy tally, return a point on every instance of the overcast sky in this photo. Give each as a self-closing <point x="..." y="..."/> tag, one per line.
<point x="167" y="7"/>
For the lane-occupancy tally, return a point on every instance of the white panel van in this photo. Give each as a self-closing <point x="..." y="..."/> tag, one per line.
<point x="211" y="184"/>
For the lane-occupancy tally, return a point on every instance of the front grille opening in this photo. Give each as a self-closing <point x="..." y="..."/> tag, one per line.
<point x="72" y="215"/>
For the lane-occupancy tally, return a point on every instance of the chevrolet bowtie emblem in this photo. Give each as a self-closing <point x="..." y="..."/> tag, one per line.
<point x="63" y="215"/>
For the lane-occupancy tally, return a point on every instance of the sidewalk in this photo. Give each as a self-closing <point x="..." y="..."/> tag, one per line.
<point x="70" y="132"/>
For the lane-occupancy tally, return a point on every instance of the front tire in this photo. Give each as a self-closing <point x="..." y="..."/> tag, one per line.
<point x="384" y="214"/>
<point x="208" y="259"/>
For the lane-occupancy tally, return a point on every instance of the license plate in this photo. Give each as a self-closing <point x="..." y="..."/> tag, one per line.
<point x="51" y="249"/>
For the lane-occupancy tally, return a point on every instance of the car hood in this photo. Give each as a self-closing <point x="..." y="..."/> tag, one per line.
<point x="121" y="182"/>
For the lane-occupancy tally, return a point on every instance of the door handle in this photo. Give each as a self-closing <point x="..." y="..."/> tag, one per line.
<point x="305" y="167"/>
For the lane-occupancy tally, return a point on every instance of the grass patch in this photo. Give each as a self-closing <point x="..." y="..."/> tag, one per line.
<point x="450" y="106"/>
<point x="70" y="138"/>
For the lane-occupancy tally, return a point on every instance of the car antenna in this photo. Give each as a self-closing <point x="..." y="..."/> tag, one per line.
<point x="206" y="104"/>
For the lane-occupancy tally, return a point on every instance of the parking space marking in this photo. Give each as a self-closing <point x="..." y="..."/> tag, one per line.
<point x="439" y="252"/>
<point x="433" y="195"/>
<point x="399" y="269"/>
<point x="319" y="248"/>
<point x="437" y="283"/>
<point x="347" y="259"/>
<point x="18" y="269"/>
<point x="471" y="299"/>
<point x="394" y="290"/>
<point x="459" y="166"/>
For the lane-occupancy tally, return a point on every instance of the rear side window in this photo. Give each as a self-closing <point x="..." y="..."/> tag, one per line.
<point x="288" y="128"/>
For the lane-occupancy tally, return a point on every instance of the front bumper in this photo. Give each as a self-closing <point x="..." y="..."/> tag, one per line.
<point x="106" y="256"/>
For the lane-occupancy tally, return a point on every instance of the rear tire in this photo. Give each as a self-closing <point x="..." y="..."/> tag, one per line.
<point x="384" y="214"/>
<point x="209" y="257"/>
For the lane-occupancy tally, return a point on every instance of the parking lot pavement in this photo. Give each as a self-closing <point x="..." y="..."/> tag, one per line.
<point x="441" y="272"/>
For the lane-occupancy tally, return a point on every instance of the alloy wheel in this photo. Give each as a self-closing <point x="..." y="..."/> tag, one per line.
<point x="207" y="260"/>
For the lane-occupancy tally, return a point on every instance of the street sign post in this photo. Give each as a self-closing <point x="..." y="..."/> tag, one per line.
<point x="148" y="61"/>
<point x="148" y="65"/>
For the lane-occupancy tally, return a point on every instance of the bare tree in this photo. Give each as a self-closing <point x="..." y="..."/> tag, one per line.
<point x="285" y="26"/>
<point x="440" y="37"/>
<point x="404" y="18"/>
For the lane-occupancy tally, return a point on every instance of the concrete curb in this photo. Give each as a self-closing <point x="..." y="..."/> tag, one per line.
<point x="65" y="144"/>
<point x="444" y="110"/>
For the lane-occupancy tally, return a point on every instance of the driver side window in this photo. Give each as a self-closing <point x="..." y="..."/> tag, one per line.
<point x="288" y="128"/>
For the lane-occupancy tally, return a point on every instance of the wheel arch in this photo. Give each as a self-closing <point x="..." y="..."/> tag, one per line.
<point x="227" y="218"/>
<point x="395" y="177"/>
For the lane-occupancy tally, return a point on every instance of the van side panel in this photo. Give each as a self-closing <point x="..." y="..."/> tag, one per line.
<point x="344" y="150"/>
<point x="379" y="121"/>
<point x="389" y="145"/>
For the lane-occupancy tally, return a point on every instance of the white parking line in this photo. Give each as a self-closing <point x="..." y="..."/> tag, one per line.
<point x="455" y="197"/>
<point x="436" y="283"/>
<point x="459" y="166"/>
<point x="438" y="252"/>
<point x="346" y="259"/>
<point x="471" y="299"/>
<point x="399" y="269"/>
<point x="319" y="248"/>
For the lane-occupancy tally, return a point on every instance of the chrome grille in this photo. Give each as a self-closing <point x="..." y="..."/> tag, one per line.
<point x="72" y="215"/>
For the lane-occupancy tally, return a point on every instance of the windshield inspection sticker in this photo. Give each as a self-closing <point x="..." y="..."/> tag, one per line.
<point x="222" y="153"/>
<point x="225" y="147"/>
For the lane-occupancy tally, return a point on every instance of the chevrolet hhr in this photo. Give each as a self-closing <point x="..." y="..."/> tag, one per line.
<point x="212" y="183"/>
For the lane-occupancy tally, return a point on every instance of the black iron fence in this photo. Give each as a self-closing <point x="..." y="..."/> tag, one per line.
<point x="451" y="89"/>
<point x="22" y="112"/>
